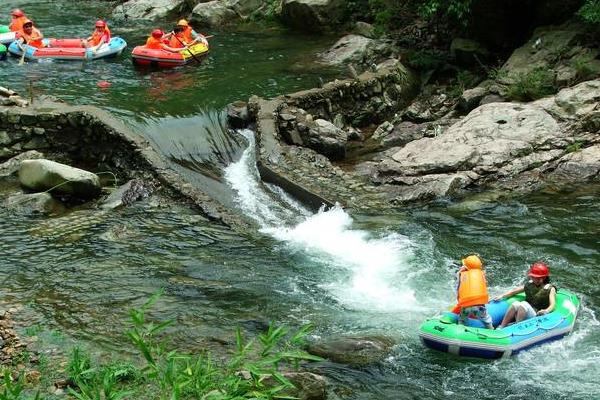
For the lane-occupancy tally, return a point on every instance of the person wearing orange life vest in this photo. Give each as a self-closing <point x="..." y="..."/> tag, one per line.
<point x="18" y="18"/>
<point x="472" y="294"/>
<point x="176" y="38"/>
<point x="100" y="36"/>
<point x="155" y="41"/>
<point x="30" y="35"/>
<point x="540" y="296"/>
<point x="187" y="35"/>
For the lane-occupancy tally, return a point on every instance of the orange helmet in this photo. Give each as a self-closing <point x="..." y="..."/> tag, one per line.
<point x="157" y="33"/>
<point x="17" y="12"/>
<point x="27" y="21"/>
<point x="100" y="24"/>
<point x="472" y="262"/>
<point x="182" y="22"/>
<point x="539" y="270"/>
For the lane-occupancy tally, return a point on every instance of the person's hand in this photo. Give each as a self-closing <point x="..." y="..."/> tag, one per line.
<point x="498" y="298"/>
<point x="542" y="312"/>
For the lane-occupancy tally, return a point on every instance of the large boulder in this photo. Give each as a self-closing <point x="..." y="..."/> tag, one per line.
<point x="349" y="49"/>
<point x="46" y="175"/>
<point x="326" y="138"/>
<point x="213" y="14"/>
<point x="245" y="7"/>
<point x="11" y="166"/>
<point x="150" y="9"/>
<point x="312" y="15"/>
<point x="32" y="203"/>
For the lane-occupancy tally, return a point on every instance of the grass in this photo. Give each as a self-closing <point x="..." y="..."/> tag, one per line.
<point x="532" y="85"/>
<point x="160" y="372"/>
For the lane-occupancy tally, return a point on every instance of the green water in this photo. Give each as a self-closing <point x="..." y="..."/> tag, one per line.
<point x="78" y="275"/>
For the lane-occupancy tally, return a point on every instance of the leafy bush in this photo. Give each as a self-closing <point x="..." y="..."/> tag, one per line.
<point x="532" y="86"/>
<point x="590" y="11"/>
<point x="424" y="60"/>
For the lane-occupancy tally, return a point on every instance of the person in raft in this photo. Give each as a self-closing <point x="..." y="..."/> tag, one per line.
<point x="30" y="35"/>
<point x="100" y="36"/>
<point x="155" y="41"/>
<point x="472" y="293"/>
<point x="184" y="33"/>
<point x="540" y="296"/>
<point x="18" y="18"/>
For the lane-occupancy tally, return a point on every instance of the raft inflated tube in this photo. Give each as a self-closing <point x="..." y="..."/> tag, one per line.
<point x="6" y="36"/>
<point x="141" y="55"/>
<point x="2" y="52"/>
<point x="442" y="333"/>
<point x="69" y="49"/>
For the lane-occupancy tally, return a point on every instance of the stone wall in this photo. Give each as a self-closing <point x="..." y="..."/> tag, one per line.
<point x="89" y="138"/>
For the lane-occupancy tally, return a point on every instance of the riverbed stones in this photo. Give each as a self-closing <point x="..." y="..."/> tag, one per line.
<point x="126" y="194"/>
<point x="42" y="175"/>
<point x="353" y="350"/>
<point x="34" y="203"/>
<point x="311" y="15"/>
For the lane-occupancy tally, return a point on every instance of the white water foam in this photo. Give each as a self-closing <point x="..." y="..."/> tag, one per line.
<point x="362" y="272"/>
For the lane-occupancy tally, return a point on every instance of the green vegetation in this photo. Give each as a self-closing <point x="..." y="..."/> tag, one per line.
<point x="253" y="372"/>
<point x="590" y="11"/>
<point x="583" y="66"/>
<point x="532" y="85"/>
<point x="574" y="147"/>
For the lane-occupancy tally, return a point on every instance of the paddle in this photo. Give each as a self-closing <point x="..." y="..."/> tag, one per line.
<point x="22" y="60"/>
<point x="189" y="51"/>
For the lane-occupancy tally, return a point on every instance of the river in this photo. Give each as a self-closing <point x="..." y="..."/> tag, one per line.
<point x="75" y="279"/>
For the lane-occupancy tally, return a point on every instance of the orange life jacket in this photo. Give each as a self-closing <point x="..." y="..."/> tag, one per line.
<point x="177" y="41"/>
<point x="17" y="24"/>
<point x="187" y="34"/>
<point x="472" y="288"/>
<point x="154" y="43"/>
<point x="97" y="36"/>
<point x="27" y="39"/>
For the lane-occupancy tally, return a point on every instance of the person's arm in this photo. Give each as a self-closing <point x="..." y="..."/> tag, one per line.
<point x="102" y="41"/>
<point x="171" y="49"/>
<point x="552" y="301"/>
<point x="511" y="292"/>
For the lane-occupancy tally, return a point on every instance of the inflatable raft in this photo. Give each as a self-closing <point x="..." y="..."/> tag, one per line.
<point x="69" y="49"/>
<point x="2" y="52"/>
<point x="6" y="36"/>
<point x="473" y="340"/>
<point x="142" y="55"/>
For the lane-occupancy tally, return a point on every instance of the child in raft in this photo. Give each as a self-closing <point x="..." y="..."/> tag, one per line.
<point x="472" y="294"/>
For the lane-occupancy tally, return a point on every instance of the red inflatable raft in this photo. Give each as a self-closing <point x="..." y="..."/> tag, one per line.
<point x="142" y="55"/>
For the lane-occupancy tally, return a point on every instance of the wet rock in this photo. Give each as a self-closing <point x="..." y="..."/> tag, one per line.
<point x="311" y="15"/>
<point x="148" y="9"/>
<point x="327" y="139"/>
<point x="214" y="14"/>
<point x="245" y="7"/>
<point x="42" y="175"/>
<point x="358" y="350"/>
<point x="579" y="166"/>
<point x="237" y="115"/>
<point x="11" y="167"/>
<point x="33" y="203"/>
<point x="364" y="29"/>
<point x="349" y="49"/>
<point x="126" y="194"/>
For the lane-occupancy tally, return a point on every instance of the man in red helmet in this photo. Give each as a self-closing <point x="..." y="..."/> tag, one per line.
<point x="18" y="19"/>
<point x="540" y="296"/>
<point x="100" y="36"/>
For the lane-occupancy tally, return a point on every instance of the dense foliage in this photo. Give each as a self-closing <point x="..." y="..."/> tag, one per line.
<point x="591" y="11"/>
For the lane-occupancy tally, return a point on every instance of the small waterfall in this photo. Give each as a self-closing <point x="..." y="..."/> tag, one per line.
<point x="360" y="270"/>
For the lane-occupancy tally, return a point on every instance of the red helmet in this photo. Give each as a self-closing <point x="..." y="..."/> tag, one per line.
<point x="100" y="24"/>
<point x="17" y="12"/>
<point x="157" y="33"/>
<point x="539" y="270"/>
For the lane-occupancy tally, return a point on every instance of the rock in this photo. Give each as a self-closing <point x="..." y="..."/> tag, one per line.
<point x="12" y="166"/>
<point x="404" y="133"/>
<point x="492" y="98"/>
<point x="467" y="52"/>
<point x="244" y="7"/>
<point x="42" y="175"/>
<point x="126" y="194"/>
<point x="33" y="203"/>
<point x="579" y="166"/>
<point x="471" y="98"/>
<point x="382" y="130"/>
<point x="571" y="104"/>
<point x="149" y="9"/>
<point x="364" y="29"/>
<point x="237" y="115"/>
<point x="327" y="139"/>
<point x="350" y="48"/>
<point x="358" y="350"/>
<point x="213" y="14"/>
<point x="308" y="386"/>
<point x="490" y="135"/>
<point x="311" y="15"/>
